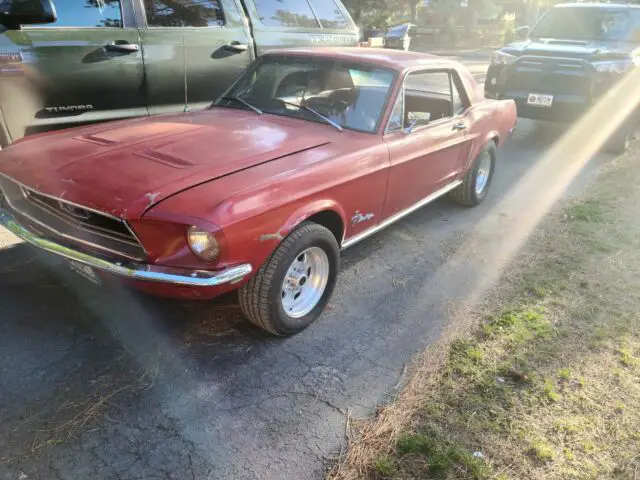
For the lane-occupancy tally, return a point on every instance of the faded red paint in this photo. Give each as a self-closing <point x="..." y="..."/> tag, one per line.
<point x="252" y="179"/>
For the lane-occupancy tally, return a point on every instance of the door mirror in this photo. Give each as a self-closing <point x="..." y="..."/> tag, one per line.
<point x="523" y="32"/>
<point x="417" y="119"/>
<point x="14" y="13"/>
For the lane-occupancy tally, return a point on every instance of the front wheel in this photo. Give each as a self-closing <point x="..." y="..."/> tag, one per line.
<point x="291" y="289"/>
<point x="476" y="182"/>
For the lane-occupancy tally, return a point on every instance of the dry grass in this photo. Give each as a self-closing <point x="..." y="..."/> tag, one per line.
<point x="547" y="385"/>
<point x="74" y="418"/>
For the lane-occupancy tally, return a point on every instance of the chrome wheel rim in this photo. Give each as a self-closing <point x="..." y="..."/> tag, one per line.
<point x="305" y="282"/>
<point x="482" y="177"/>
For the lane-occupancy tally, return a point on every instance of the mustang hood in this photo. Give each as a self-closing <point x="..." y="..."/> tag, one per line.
<point x="123" y="168"/>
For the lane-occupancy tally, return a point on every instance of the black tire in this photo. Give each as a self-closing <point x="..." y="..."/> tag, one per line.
<point x="619" y="143"/>
<point x="260" y="298"/>
<point x="466" y="193"/>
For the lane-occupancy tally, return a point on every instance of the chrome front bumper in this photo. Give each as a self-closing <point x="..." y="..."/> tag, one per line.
<point x="131" y="271"/>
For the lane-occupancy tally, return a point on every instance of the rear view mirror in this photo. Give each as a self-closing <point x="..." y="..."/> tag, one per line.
<point x="14" y="13"/>
<point x="523" y="32"/>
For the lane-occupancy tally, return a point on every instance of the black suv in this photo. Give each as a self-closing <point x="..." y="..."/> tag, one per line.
<point x="574" y="54"/>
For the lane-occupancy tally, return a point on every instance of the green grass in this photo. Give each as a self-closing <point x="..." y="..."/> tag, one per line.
<point x="542" y="451"/>
<point x="590" y="210"/>
<point x="548" y="383"/>
<point x="441" y="458"/>
<point x="385" y="466"/>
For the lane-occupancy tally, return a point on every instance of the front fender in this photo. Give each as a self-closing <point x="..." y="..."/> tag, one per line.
<point x="256" y="238"/>
<point x="309" y="210"/>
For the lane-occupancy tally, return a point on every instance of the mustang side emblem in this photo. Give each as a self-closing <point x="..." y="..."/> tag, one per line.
<point x="359" y="217"/>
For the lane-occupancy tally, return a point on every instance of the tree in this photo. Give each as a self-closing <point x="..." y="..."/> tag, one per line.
<point x="367" y="13"/>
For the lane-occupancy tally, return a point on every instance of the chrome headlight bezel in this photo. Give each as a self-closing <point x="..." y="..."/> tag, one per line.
<point x="203" y="243"/>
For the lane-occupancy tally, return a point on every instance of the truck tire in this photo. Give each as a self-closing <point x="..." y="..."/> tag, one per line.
<point x="476" y="182"/>
<point x="293" y="286"/>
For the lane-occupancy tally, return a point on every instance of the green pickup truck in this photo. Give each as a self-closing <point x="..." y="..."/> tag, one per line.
<point x="70" y="62"/>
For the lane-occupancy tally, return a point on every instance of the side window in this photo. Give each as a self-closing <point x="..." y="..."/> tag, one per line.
<point x="459" y="98"/>
<point x="86" y="14"/>
<point x="183" y="13"/>
<point x="329" y="14"/>
<point x="429" y="97"/>
<point x="634" y="30"/>
<point x="286" y="13"/>
<point x="396" y="121"/>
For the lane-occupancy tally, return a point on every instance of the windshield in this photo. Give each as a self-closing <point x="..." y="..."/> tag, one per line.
<point x="350" y="95"/>
<point x="581" y="23"/>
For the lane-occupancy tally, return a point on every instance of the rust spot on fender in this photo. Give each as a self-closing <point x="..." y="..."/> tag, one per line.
<point x="271" y="236"/>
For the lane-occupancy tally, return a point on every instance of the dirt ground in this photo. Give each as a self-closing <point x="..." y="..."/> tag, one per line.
<point x="548" y="384"/>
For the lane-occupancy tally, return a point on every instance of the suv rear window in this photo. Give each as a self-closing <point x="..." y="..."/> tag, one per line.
<point x="589" y="23"/>
<point x="329" y="14"/>
<point x="87" y="14"/>
<point x="286" y="13"/>
<point x="185" y="13"/>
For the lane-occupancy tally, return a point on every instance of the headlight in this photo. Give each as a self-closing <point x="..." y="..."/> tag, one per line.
<point x="614" y="66"/>
<point x="203" y="243"/>
<point x="502" y="58"/>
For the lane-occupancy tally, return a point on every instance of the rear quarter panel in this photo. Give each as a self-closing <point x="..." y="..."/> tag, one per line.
<point x="490" y="120"/>
<point x="258" y="207"/>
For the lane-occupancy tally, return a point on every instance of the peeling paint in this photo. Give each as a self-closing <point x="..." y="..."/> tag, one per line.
<point x="70" y="181"/>
<point x="271" y="236"/>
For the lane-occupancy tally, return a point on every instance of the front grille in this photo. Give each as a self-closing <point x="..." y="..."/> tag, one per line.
<point x="74" y="224"/>
<point x="553" y="76"/>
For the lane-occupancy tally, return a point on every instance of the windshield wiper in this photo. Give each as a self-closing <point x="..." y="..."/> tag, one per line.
<point x="245" y="103"/>
<point x="317" y="114"/>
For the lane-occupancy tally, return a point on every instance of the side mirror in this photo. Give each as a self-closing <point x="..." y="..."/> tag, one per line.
<point x="523" y="32"/>
<point x="14" y="13"/>
<point x="417" y="119"/>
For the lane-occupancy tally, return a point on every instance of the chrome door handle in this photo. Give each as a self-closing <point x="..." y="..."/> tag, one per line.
<point x="236" y="47"/>
<point x="124" y="47"/>
<point x="459" y="126"/>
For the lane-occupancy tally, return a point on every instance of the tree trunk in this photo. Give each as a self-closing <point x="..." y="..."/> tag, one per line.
<point x="414" y="11"/>
<point x="357" y="12"/>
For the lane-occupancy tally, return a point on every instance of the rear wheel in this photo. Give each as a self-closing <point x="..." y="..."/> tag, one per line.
<point x="291" y="289"/>
<point x="476" y="182"/>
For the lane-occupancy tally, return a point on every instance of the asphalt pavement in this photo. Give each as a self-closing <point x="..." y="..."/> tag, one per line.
<point x="104" y="383"/>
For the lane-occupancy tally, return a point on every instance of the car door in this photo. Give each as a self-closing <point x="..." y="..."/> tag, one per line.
<point x="300" y="23"/>
<point x="427" y="139"/>
<point x="85" y="67"/>
<point x="201" y="44"/>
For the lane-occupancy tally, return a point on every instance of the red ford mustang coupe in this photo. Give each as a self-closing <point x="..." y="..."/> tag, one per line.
<point x="309" y="152"/>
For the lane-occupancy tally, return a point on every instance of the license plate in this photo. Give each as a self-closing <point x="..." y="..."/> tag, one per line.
<point x="86" y="271"/>
<point x="538" y="100"/>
